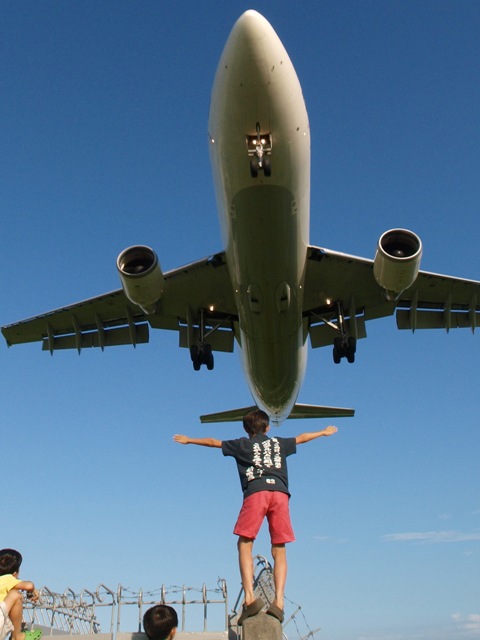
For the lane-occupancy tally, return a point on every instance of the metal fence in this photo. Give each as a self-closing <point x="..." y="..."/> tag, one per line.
<point x="104" y="610"/>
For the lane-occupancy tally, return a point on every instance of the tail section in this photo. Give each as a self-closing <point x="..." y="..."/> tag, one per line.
<point x="299" y="411"/>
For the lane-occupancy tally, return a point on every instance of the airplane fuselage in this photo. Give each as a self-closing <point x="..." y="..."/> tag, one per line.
<point x="264" y="215"/>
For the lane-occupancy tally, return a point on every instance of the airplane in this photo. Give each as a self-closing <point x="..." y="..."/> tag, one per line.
<point x="269" y="290"/>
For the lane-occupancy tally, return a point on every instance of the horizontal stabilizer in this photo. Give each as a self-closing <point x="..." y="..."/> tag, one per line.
<point x="234" y="415"/>
<point x="314" y="411"/>
<point x="299" y="411"/>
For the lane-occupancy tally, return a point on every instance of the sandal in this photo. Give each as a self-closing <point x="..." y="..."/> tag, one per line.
<point x="276" y="612"/>
<point x="34" y="634"/>
<point x="251" y="610"/>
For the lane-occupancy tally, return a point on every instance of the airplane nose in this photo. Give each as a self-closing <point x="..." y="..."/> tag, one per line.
<point x="252" y="34"/>
<point x="251" y="25"/>
<point x="252" y="50"/>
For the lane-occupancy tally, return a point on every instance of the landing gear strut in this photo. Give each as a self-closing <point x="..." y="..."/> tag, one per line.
<point x="200" y="351"/>
<point x="259" y="148"/>
<point x="343" y="346"/>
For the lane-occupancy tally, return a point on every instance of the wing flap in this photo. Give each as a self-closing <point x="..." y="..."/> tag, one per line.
<point x="414" y="319"/>
<point x="136" y="334"/>
<point x="439" y="302"/>
<point x="103" y="312"/>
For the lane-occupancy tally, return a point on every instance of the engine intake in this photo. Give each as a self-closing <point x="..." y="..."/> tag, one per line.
<point x="141" y="277"/>
<point x="397" y="261"/>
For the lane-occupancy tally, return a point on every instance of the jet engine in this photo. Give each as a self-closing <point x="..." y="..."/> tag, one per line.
<point x="397" y="261"/>
<point x="141" y="277"/>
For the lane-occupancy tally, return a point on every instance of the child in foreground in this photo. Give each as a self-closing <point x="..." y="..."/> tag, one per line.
<point x="160" y="622"/>
<point x="11" y="601"/>
<point x="262" y="467"/>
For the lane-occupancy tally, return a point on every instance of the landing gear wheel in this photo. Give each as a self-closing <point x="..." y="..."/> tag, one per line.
<point x="196" y="357"/>
<point x="267" y="166"/>
<point x="337" y="350"/>
<point x="202" y="355"/>
<point x="344" y="349"/>
<point x="351" y="348"/>
<point x="254" y="167"/>
<point x="210" y="362"/>
<point x="207" y="357"/>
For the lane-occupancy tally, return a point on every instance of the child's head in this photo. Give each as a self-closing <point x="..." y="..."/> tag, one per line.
<point x="160" y="622"/>
<point x="255" y="422"/>
<point x="10" y="561"/>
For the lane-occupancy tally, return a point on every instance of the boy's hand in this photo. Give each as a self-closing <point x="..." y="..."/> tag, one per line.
<point x="33" y="595"/>
<point x="330" y="430"/>
<point x="180" y="439"/>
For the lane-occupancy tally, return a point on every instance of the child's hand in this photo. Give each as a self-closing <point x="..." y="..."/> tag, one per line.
<point x="180" y="439"/>
<point x="330" y="430"/>
<point x="33" y="595"/>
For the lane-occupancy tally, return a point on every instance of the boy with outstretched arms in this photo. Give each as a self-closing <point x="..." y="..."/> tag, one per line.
<point x="11" y="600"/>
<point x="262" y="467"/>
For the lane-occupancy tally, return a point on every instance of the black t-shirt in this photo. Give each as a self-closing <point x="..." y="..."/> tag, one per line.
<point x="261" y="462"/>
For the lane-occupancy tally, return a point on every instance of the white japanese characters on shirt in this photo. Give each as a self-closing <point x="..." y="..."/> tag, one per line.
<point x="265" y="456"/>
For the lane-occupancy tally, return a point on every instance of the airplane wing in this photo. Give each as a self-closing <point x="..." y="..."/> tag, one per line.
<point x="201" y="289"/>
<point x="340" y="289"/>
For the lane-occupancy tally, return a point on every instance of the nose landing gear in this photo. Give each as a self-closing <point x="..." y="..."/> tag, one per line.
<point x="259" y="148"/>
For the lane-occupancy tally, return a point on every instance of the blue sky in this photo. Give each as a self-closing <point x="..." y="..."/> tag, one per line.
<point x="103" y="129"/>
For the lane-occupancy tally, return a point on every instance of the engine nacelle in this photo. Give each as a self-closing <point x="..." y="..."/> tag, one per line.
<point x="397" y="261"/>
<point x="141" y="276"/>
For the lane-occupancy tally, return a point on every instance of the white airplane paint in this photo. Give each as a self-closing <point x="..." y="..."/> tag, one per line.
<point x="269" y="289"/>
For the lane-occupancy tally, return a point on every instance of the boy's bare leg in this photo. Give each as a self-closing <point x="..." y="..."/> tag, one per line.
<point x="279" y="554"/>
<point x="14" y="604"/>
<point x="245" y="561"/>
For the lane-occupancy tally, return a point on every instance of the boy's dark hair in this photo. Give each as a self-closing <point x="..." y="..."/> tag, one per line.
<point x="159" y="621"/>
<point x="10" y="561"/>
<point x="255" y="422"/>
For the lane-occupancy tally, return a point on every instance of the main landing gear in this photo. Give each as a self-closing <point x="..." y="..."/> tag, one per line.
<point x="259" y="148"/>
<point x="200" y="349"/>
<point x="344" y="346"/>
<point x="201" y="354"/>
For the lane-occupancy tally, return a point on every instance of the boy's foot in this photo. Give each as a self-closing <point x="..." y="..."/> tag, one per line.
<point x="251" y="610"/>
<point x="34" y="634"/>
<point x="276" y="612"/>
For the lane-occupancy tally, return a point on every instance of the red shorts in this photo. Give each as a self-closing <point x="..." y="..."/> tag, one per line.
<point x="270" y="504"/>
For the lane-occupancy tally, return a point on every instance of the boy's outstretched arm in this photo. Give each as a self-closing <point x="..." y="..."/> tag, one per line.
<point x="307" y="437"/>
<point x="203" y="442"/>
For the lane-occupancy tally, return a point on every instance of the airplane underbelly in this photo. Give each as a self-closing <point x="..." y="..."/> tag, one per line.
<point x="274" y="371"/>
<point x="266" y="255"/>
<point x="267" y="269"/>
